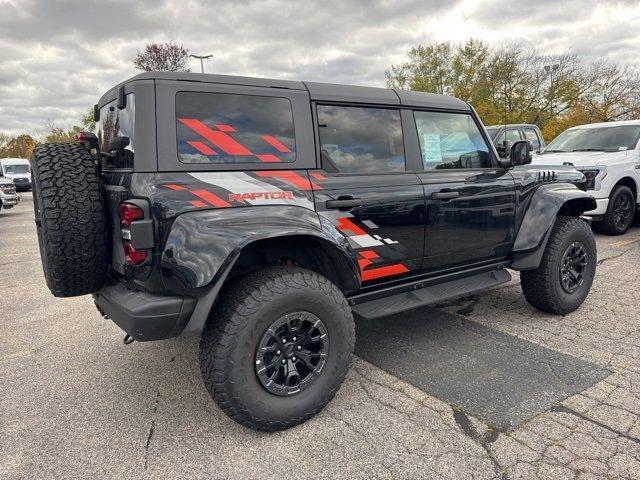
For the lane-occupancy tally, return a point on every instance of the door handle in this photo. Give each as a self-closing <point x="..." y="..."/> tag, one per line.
<point x="445" y="195"/>
<point x="344" y="203"/>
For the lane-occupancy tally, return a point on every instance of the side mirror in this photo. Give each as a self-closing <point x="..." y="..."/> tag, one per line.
<point x="520" y="153"/>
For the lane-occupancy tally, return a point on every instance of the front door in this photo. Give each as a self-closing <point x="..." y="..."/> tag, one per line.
<point x="470" y="200"/>
<point x="366" y="192"/>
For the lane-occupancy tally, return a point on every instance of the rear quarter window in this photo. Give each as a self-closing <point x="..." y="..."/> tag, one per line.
<point x="117" y="124"/>
<point x="231" y="128"/>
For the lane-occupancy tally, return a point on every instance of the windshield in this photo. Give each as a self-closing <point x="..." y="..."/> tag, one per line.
<point x="15" y="169"/>
<point x="598" y="139"/>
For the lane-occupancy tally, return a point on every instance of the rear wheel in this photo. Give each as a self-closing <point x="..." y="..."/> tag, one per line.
<point x="277" y="347"/>
<point x="563" y="280"/>
<point x="70" y="218"/>
<point x="620" y="211"/>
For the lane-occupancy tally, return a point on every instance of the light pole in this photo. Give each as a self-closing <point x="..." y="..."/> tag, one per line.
<point x="550" y="69"/>
<point x="202" y="58"/>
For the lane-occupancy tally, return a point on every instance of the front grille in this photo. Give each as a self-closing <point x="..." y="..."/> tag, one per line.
<point x="8" y="189"/>
<point x="20" y="180"/>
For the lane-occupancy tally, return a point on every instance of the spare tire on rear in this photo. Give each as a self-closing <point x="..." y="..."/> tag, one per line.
<point x="70" y="217"/>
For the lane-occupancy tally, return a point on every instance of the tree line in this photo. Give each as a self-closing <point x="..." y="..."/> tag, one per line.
<point x="519" y="84"/>
<point x="512" y="84"/>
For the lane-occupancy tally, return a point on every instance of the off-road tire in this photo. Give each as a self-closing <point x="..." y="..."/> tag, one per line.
<point x="69" y="211"/>
<point x="235" y="327"/>
<point x="608" y="224"/>
<point x="542" y="287"/>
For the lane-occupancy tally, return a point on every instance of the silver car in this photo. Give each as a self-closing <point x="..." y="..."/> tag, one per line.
<point x="8" y="195"/>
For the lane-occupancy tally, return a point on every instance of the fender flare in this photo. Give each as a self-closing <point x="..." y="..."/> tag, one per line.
<point x="535" y="228"/>
<point x="202" y="247"/>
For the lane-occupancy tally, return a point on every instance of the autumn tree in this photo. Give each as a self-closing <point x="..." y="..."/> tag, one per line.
<point x="521" y="84"/>
<point x="57" y="134"/>
<point x="20" y="146"/>
<point x="159" y="57"/>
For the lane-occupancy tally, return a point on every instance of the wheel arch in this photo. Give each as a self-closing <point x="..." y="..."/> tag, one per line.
<point x="206" y="251"/>
<point x="630" y="182"/>
<point x="547" y="203"/>
<point x="306" y="250"/>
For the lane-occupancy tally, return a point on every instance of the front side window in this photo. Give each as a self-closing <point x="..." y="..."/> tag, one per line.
<point x="360" y="140"/>
<point x="597" y="139"/>
<point x="532" y="136"/>
<point x="115" y="131"/>
<point x="231" y="128"/>
<point x="451" y="140"/>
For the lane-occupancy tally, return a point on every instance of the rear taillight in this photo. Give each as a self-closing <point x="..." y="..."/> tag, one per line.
<point x="133" y="256"/>
<point x="130" y="213"/>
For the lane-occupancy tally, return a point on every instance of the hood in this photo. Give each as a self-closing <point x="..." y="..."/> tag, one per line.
<point x="18" y="175"/>
<point x="6" y="181"/>
<point x="578" y="159"/>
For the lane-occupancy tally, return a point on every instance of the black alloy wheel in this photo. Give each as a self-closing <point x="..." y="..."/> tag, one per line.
<point x="292" y="353"/>
<point x="573" y="267"/>
<point x="623" y="211"/>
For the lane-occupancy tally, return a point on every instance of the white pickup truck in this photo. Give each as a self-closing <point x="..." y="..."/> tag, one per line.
<point x="609" y="156"/>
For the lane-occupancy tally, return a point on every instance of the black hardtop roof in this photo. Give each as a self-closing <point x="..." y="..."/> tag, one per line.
<point x="317" y="91"/>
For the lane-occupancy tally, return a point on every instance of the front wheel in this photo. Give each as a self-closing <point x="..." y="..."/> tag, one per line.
<point x="277" y="347"/>
<point x="563" y="280"/>
<point x="620" y="211"/>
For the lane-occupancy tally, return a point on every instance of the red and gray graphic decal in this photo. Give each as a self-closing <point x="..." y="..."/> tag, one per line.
<point x="219" y="138"/>
<point x="235" y="189"/>
<point x="377" y="256"/>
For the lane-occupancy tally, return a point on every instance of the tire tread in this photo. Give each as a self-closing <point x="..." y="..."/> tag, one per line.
<point x="72" y="231"/>
<point x="233" y="313"/>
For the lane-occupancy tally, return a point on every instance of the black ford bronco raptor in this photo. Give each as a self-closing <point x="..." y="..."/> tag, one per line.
<point x="265" y="214"/>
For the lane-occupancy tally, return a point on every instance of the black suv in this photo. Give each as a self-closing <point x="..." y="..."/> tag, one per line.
<point x="264" y="214"/>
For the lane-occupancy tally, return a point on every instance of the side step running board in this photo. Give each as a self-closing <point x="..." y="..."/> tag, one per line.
<point x="431" y="295"/>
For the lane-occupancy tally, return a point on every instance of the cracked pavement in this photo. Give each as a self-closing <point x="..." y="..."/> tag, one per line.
<point x="77" y="403"/>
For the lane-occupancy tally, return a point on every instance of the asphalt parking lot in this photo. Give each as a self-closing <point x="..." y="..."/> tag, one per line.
<point x="560" y="398"/>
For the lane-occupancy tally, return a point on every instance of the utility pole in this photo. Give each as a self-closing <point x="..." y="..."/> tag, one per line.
<point x="202" y="58"/>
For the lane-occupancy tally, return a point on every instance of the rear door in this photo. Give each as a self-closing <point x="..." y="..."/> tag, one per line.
<point x="365" y="189"/>
<point x="470" y="200"/>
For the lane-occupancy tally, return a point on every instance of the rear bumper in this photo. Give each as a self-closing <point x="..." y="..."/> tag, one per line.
<point x="142" y="315"/>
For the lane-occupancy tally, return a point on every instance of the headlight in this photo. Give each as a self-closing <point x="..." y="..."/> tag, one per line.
<point x="591" y="175"/>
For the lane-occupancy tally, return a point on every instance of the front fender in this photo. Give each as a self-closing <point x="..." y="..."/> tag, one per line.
<point x="203" y="245"/>
<point x="543" y="208"/>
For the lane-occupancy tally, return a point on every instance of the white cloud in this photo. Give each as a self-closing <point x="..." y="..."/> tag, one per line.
<point x="58" y="56"/>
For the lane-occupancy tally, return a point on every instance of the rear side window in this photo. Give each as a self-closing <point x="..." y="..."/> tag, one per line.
<point x="532" y="136"/>
<point x="115" y="131"/>
<point x="451" y="140"/>
<point x="231" y="128"/>
<point x="360" y="140"/>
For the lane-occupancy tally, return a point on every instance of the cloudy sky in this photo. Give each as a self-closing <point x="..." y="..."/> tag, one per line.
<point x="58" y="56"/>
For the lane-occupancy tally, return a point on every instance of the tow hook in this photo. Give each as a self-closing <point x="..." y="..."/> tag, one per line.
<point x="128" y="339"/>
